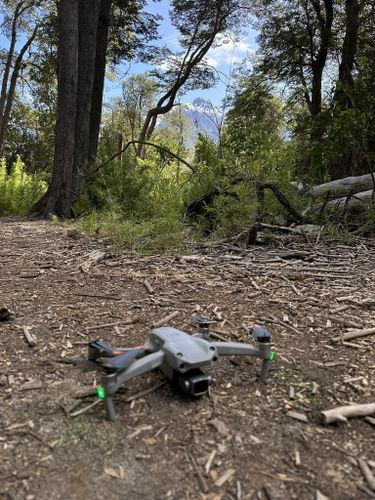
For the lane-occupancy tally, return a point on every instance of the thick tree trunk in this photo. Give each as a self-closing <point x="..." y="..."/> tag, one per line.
<point x="62" y="190"/>
<point x="98" y="85"/>
<point x="87" y="29"/>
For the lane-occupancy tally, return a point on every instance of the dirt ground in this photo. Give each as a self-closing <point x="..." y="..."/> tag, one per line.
<point x="240" y="438"/>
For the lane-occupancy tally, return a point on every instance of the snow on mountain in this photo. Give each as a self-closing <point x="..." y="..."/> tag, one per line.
<point x="204" y="117"/>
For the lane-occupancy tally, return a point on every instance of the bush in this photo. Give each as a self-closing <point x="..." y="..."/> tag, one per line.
<point x="18" y="190"/>
<point x="162" y="234"/>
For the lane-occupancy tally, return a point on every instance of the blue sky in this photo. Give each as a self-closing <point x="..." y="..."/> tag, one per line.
<point x="222" y="58"/>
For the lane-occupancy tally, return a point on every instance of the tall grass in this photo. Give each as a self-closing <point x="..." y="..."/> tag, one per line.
<point x="18" y="189"/>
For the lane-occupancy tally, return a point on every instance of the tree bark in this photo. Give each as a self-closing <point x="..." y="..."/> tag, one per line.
<point x="352" y="163"/>
<point x="87" y="40"/>
<point x="8" y="64"/>
<point x="98" y="84"/>
<point x="343" y="187"/>
<point x="325" y="23"/>
<point x="61" y="192"/>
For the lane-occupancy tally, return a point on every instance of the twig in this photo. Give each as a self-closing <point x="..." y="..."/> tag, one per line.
<point x="209" y="462"/>
<point x="99" y="296"/>
<point x="30" y="338"/>
<point x="110" y="325"/>
<point x="225" y="477"/>
<point x="148" y="286"/>
<point x="370" y="479"/>
<point x="355" y="335"/>
<point x="164" y="320"/>
<point x="145" y="392"/>
<point x="85" y="409"/>
<point x="198" y="473"/>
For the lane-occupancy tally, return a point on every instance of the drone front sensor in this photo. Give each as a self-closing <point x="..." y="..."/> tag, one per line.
<point x="178" y="355"/>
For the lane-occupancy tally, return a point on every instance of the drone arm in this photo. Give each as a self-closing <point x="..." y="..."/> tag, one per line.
<point x="111" y="383"/>
<point x="235" y="349"/>
<point x="263" y="351"/>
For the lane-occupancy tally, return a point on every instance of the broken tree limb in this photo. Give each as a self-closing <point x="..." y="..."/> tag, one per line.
<point x="342" y="413"/>
<point x="355" y="335"/>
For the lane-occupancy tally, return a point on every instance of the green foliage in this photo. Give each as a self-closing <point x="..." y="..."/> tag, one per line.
<point x="234" y="210"/>
<point x="336" y="232"/>
<point x="18" y="190"/>
<point x="162" y="234"/>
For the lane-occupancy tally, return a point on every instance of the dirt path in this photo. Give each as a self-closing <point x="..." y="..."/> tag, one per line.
<point x="242" y="427"/>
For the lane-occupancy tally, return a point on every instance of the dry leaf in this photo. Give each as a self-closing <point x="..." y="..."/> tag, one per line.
<point x="150" y="441"/>
<point x="116" y="473"/>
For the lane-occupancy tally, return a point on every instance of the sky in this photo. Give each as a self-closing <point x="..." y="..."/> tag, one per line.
<point x="223" y="57"/>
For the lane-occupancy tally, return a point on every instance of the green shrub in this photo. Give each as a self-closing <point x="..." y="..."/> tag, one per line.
<point x="18" y="190"/>
<point x="161" y="234"/>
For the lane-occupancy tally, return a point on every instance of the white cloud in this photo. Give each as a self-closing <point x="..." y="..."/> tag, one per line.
<point x="229" y="52"/>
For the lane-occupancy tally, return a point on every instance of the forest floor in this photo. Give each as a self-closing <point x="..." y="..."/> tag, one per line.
<point x="241" y="438"/>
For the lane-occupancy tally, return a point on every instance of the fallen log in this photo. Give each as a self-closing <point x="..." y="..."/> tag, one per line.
<point x="355" y="203"/>
<point x="342" y="413"/>
<point x="343" y="187"/>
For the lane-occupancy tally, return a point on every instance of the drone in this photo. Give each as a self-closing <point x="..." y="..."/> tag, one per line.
<point x="178" y="355"/>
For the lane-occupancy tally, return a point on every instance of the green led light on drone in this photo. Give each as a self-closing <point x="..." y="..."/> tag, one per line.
<point x="101" y="392"/>
<point x="272" y="355"/>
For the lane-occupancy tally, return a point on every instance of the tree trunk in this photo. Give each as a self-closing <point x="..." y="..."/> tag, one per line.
<point x="325" y="22"/>
<point x="87" y="29"/>
<point x="8" y="64"/>
<point x="61" y="192"/>
<point x="193" y="56"/>
<point x="352" y="163"/>
<point x="12" y="89"/>
<point x="98" y="85"/>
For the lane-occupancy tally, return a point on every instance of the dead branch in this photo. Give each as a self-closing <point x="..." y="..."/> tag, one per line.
<point x="355" y="335"/>
<point x="342" y="413"/>
<point x="145" y="143"/>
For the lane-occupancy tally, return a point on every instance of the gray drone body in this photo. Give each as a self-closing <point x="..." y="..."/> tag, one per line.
<point x="178" y="355"/>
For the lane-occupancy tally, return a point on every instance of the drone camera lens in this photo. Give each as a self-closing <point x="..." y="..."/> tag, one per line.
<point x="200" y="387"/>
